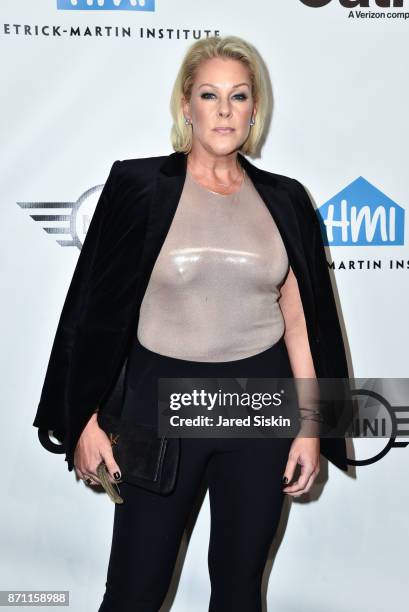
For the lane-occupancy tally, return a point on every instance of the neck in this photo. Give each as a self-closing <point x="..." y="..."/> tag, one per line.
<point x="223" y="169"/>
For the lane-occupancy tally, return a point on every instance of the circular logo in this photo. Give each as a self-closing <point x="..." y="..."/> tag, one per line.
<point x="83" y="211"/>
<point x="381" y="419"/>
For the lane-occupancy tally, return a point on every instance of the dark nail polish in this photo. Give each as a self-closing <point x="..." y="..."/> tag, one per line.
<point x="285" y="480"/>
<point x="117" y="475"/>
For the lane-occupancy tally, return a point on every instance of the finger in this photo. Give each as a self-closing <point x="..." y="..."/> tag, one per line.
<point x="289" y="469"/>
<point x="83" y="475"/>
<point x="113" y="468"/>
<point x="310" y="481"/>
<point x="79" y="473"/>
<point x="306" y="471"/>
<point x="308" y="485"/>
<point x="91" y="480"/>
<point x="88" y="477"/>
<point x="299" y="485"/>
<point x="89" y="474"/>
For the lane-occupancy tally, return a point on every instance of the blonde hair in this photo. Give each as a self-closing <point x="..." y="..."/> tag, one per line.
<point x="232" y="47"/>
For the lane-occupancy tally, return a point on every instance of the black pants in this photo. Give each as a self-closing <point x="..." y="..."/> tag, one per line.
<point x="244" y="476"/>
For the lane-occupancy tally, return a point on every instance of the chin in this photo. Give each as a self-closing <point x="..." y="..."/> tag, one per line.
<point x="223" y="148"/>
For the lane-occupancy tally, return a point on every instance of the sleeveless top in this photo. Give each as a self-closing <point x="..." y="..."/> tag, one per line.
<point x="212" y="294"/>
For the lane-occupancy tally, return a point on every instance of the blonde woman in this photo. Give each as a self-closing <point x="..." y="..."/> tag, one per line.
<point x="197" y="264"/>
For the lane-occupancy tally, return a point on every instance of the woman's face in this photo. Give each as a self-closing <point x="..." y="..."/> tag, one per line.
<point x="221" y="98"/>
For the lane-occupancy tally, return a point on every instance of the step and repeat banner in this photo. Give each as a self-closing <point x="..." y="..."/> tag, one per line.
<point x="87" y="82"/>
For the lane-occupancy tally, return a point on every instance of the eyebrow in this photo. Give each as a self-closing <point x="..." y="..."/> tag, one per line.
<point x="215" y="86"/>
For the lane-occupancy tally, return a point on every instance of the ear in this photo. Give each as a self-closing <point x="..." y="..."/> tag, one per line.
<point x="185" y="107"/>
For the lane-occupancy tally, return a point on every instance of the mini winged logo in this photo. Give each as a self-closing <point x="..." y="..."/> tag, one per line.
<point x="377" y="418"/>
<point x="68" y="220"/>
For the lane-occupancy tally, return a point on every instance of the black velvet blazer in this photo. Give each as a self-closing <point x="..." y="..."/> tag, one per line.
<point x="100" y="313"/>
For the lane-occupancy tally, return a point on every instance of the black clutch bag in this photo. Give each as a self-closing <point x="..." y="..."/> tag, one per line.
<point x="145" y="460"/>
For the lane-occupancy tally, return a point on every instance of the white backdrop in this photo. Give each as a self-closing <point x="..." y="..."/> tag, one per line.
<point x="73" y="104"/>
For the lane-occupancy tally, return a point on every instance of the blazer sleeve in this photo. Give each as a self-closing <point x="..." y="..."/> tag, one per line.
<point x="337" y="408"/>
<point x="51" y="411"/>
<point x="329" y="332"/>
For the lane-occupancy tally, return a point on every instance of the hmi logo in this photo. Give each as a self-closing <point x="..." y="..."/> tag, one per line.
<point x="106" y="5"/>
<point x="361" y="215"/>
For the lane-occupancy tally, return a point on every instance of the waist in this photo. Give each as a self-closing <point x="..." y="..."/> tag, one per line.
<point x="273" y="361"/>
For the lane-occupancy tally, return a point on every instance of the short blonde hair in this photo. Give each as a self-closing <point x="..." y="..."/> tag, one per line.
<point x="232" y="47"/>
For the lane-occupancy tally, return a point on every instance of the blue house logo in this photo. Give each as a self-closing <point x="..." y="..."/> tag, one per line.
<point x="361" y="215"/>
<point x="106" y="5"/>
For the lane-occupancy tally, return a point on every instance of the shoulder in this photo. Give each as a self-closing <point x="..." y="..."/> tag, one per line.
<point x="136" y="169"/>
<point x="294" y="189"/>
<point x="273" y="179"/>
<point x="130" y="181"/>
<point x="282" y="181"/>
<point x="128" y="189"/>
<point x="300" y="198"/>
<point x="138" y="164"/>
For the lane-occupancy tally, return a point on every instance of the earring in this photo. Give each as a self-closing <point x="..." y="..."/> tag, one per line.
<point x="252" y="122"/>
<point x="187" y="121"/>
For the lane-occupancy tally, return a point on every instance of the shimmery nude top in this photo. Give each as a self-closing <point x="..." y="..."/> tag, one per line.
<point x="212" y="294"/>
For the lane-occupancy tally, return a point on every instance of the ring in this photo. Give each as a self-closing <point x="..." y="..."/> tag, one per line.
<point x="88" y="480"/>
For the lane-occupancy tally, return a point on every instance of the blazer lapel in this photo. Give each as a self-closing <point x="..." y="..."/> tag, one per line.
<point x="282" y="208"/>
<point x="166" y="195"/>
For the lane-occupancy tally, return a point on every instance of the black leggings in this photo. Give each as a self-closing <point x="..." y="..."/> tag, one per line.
<point x="244" y="476"/>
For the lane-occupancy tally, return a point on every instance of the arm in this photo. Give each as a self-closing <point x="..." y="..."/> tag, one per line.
<point x="299" y="352"/>
<point x="295" y="336"/>
<point x="304" y="450"/>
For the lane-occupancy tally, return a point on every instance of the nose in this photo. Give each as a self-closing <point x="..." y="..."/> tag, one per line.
<point x="224" y="109"/>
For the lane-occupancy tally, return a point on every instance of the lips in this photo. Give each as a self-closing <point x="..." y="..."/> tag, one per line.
<point x="223" y="130"/>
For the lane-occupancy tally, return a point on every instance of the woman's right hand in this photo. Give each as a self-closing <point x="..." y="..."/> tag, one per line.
<point x="93" y="447"/>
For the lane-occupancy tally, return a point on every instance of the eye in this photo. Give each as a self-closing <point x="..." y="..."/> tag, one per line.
<point x="208" y="96"/>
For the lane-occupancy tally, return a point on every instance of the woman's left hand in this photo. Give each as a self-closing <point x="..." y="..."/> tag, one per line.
<point x="306" y="452"/>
